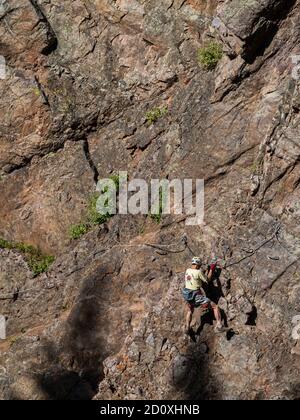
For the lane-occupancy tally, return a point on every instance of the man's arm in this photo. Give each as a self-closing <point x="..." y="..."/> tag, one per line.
<point x="211" y="268"/>
<point x="203" y="277"/>
<point x="210" y="274"/>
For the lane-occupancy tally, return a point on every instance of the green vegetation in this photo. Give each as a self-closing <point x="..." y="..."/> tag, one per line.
<point x="210" y="55"/>
<point x="116" y="179"/>
<point x="76" y="231"/>
<point x="12" y="340"/>
<point x="36" y="91"/>
<point x="142" y="229"/>
<point x="40" y="263"/>
<point x="36" y="260"/>
<point x="254" y="167"/>
<point x="157" y="217"/>
<point x="93" y="218"/>
<point x="257" y="166"/>
<point x="5" y="244"/>
<point x="296" y="276"/>
<point x="155" y="114"/>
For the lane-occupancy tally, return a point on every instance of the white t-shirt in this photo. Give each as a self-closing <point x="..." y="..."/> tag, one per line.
<point x="194" y="279"/>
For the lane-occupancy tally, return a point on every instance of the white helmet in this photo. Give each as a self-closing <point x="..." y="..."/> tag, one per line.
<point x="196" y="261"/>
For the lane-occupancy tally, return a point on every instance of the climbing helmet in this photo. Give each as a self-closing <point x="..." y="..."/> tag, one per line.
<point x="196" y="261"/>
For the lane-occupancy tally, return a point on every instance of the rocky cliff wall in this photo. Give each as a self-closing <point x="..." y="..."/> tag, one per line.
<point x="106" y="320"/>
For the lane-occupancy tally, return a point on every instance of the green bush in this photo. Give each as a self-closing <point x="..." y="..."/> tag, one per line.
<point x="5" y="244"/>
<point x="26" y="249"/>
<point x="210" y="55"/>
<point x="116" y="180"/>
<point x="92" y="217"/>
<point x="36" y="260"/>
<point x="40" y="263"/>
<point x="155" y="114"/>
<point x="157" y="217"/>
<point x="95" y="218"/>
<point x="76" y="231"/>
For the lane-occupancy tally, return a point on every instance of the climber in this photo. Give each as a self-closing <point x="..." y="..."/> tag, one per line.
<point x="195" y="296"/>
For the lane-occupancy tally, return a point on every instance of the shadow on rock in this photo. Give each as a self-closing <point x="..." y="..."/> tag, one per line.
<point x="76" y="361"/>
<point x="192" y="375"/>
<point x="266" y="30"/>
<point x="192" y="372"/>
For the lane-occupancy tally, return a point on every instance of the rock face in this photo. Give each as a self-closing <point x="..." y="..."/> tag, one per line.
<point x="106" y="321"/>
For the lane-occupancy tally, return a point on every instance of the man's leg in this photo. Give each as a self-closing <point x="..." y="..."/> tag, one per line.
<point x="207" y="303"/>
<point x="219" y="327"/>
<point x="217" y="312"/>
<point x="189" y="317"/>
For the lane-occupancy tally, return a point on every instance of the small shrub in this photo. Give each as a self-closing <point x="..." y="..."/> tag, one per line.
<point x="5" y="244"/>
<point x="157" y="217"/>
<point x="116" y="180"/>
<point x="93" y="218"/>
<point x="76" y="231"/>
<point x="36" y="91"/>
<point x="254" y="168"/>
<point x="257" y="166"/>
<point x="142" y="229"/>
<point x="210" y="55"/>
<point x="155" y="114"/>
<point x="13" y="340"/>
<point x="26" y="249"/>
<point x="36" y="260"/>
<point x="49" y="155"/>
<point x="40" y="263"/>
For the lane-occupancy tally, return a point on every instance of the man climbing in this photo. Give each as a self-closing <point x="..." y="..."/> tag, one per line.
<point x="195" y="296"/>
